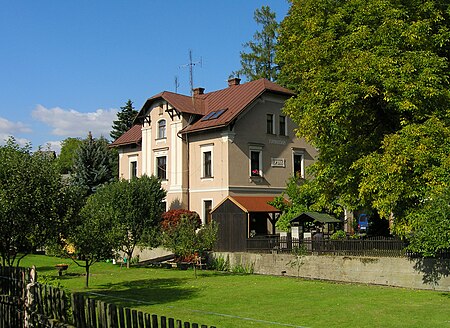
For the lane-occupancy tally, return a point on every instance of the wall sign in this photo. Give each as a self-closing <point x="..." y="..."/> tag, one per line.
<point x="278" y="162"/>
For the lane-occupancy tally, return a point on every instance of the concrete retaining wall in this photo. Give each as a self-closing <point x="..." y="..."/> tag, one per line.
<point x="400" y="272"/>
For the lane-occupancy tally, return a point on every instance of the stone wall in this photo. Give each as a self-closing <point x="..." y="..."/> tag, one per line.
<point x="390" y="271"/>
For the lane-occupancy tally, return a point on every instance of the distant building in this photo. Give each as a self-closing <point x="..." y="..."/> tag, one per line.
<point x="205" y="148"/>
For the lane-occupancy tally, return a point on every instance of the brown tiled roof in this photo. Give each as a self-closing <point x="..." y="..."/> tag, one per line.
<point x="235" y="100"/>
<point x="132" y="136"/>
<point x="254" y="203"/>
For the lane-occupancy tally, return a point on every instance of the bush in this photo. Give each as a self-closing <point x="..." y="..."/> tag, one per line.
<point x="171" y="219"/>
<point x="338" y="235"/>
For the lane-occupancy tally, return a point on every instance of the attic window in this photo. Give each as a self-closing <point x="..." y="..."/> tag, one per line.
<point x="213" y="115"/>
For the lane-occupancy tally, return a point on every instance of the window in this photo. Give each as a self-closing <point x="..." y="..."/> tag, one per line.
<point x="133" y="169"/>
<point x="207" y="164"/>
<point x="298" y="164"/>
<point x="207" y="207"/>
<point x="255" y="163"/>
<point x="283" y="130"/>
<point x="162" y="129"/>
<point x="270" y="129"/>
<point x="161" y="164"/>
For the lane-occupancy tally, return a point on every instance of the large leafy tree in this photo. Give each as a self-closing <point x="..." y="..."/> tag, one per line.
<point x="124" y="120"/>
<point x="94" y="164"/>
<point x="135" y="207"/>
<point x="30" y="211"/>
<point x="259" y="61"/>
<point x="362" y="71"/>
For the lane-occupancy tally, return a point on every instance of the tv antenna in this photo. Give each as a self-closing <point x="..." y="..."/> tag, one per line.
<point x="191" y="70"/>
<point x="177" y="84"/>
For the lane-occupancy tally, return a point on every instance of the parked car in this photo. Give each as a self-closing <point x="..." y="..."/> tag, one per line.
<point x="363" y="223"/>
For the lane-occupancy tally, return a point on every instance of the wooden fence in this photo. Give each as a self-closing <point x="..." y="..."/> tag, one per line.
<point x="26" y="303"/>
<point x="379" y="246"/>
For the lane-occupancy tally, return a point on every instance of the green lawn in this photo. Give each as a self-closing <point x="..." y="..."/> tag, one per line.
<point x="227" y="300"/>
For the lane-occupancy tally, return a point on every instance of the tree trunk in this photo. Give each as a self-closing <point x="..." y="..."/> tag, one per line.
<point x="87" y="274"/>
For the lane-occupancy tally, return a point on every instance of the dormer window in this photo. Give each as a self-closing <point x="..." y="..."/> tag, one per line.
<point x="162" y="129"/>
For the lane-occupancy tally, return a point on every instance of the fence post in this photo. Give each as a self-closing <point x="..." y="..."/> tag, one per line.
<point x="30" y="300"/>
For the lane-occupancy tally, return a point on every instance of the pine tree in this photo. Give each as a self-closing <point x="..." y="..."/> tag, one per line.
<point x="93" y="164"/>
<point x="259" y="62"/>
<point x="124" y="120"/>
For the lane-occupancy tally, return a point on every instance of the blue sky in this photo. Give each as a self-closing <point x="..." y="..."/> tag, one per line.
<point x="67" y="66"/>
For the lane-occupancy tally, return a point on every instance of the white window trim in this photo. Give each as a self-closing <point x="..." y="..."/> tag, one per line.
<point x="204" y="208"/>
<point x="259" y="150"/>
<point x="161" y="153"/>
<point x="158" y="137"/>
<point x="302" y="154"/>
<point x="204" y="149"/>
<point x="133" y="158"/>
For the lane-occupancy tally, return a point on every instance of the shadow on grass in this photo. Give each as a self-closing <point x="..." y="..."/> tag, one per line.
<point x="144" y="292"/>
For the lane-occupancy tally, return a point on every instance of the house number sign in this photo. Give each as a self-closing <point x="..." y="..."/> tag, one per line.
<point x="278" y="162"/>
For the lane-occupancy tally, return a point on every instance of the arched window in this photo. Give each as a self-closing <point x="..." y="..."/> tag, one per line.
<point x="162" y="129"/>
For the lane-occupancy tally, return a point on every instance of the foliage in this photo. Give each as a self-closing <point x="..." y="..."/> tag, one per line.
<point x="243" y="268"/>
<point x="363" y="71"/>
<point x="339" y="235"/>
<point x="93" y="164"/>
<point x="219" y="263"/>
<point x="409" y="179"/>
<point x="93" y="235"/>
<point x="30" y="188"/>
<point x="124" y="120"/>
<point x="135" y="208"/>
<point x="65" y="160"/>
<point x="186" y="238"/>
<point x="259" y="61"/>
<point x="172" y="218"/>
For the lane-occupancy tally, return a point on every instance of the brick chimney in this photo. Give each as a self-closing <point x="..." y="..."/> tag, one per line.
<point x="234" y="81"/>
<point x="198" y="91"/>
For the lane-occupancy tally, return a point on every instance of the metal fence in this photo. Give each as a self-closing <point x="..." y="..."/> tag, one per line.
<point x="377" y="246"/>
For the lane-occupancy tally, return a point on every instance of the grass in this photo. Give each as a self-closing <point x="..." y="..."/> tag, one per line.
<point x="232" y="300"/>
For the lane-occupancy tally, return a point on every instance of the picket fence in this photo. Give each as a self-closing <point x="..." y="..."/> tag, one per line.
<point x="26" y="303"/>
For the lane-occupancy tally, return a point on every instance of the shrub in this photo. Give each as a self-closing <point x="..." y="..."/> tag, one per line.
<point x="171" y="219"/>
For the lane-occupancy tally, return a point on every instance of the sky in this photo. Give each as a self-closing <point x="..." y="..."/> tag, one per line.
<point x="66" y="67"/>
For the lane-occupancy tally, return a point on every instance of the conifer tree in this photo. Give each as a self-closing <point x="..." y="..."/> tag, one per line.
<point x="93" y="164"/>
<point x="124" y="120"/>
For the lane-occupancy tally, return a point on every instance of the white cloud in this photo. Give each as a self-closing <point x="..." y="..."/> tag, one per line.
<point x="71" y="123"/>
<point x="52" y="145"/>
<point x="9" y="128"/>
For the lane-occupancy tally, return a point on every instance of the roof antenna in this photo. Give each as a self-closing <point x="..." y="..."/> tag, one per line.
<point x="191" y="70"/>
<point x="177" y="84"/>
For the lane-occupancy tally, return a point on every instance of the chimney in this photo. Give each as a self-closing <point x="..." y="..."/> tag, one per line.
<point x="198" y="91"/>
<point x="234" y="81"/>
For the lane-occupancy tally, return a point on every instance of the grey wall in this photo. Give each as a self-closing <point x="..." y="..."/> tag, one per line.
<point x="400" y="272"/>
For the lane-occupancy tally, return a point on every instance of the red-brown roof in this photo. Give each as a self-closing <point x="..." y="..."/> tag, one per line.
<point x="132" y="136"/>
<point x="253" y="203"/>
<point x="234" y="100"/>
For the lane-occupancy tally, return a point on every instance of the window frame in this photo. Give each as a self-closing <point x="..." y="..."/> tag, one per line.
<point x="161" y="129"/>
<point x="259" y="168"/>
<point x="283" y="130"/>
<point x="302" y="163"/>
<point x="205" y="215"/>
<point x="158" y="168"/>
<point x="133" y="169"/>
<point x="270" y="124"/>
<point x="203" y="150"/>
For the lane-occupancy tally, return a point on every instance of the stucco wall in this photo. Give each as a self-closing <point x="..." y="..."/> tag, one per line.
<point x="400" y="272"/>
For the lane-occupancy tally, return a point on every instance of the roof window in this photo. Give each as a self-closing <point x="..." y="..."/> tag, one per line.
<point x="214" y="115"/>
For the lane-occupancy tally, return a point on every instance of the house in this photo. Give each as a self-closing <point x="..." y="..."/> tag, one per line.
<point x="234" y="142"/>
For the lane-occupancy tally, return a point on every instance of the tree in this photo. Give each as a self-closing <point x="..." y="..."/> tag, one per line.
<point x="259" y="61"/>
<point x="409" y="180"/>
<point x="362" y="71"/>
<point x="30" y="188"/>
<point x="93" y="164"/>
<point x="65" y="161"/>
<point x="135" y="207"/>
<point x="124" y="120"/>
<point x="92" y="235"/>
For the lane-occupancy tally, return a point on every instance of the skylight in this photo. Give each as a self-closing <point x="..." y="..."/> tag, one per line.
<point x="213" y="115"/>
